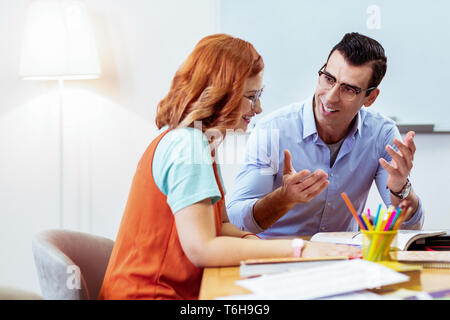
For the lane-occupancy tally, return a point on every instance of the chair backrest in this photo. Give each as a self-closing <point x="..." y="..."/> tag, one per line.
<point x="12" y="293"/>
<point x="70" y="264"/>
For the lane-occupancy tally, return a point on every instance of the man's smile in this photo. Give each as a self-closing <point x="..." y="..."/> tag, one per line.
<point x="327" y="109"/>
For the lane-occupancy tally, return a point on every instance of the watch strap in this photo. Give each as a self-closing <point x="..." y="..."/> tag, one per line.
<point x="401" y="194"/>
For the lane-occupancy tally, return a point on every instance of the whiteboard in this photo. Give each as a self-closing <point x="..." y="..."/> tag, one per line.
<point x="295" y="37"/>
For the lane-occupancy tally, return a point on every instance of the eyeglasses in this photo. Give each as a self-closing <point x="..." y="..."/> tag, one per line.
<point x="254" y="97"/>
<point x="347" y="92"/>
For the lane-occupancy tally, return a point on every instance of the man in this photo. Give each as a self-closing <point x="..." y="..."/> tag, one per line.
<point x="322" y="147"/>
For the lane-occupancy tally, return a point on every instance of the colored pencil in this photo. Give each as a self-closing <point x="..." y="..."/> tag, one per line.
<point x="352" y="210"/>
<point x="367" y="222"/>
<point x="390" y="219"/>
<point x="399" y="222"/>
<point x="363" y="222"/>
<point x="395" y="218"/>
<point x="375" y="220"/>
<point x="379" y="220"/>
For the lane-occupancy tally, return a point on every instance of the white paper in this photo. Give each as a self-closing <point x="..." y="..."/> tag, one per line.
<point x="360" y="295"/>
<point x="329" y="280"/>
<point x="250" y="296"/>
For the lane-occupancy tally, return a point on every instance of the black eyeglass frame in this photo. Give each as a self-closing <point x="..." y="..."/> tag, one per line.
<point x="357" y="89"/>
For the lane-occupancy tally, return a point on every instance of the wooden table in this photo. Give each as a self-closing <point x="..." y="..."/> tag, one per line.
<point x="219" y="282"/>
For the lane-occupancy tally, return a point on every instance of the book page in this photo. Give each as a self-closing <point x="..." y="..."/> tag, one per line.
<point x="333" y="279"/>
<point x="354" y="238"/>
<point x="406" y="237"/>
<point x="402" y="241"/>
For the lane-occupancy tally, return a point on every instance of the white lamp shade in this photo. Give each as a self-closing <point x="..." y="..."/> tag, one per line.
<point x="58" y="42"/>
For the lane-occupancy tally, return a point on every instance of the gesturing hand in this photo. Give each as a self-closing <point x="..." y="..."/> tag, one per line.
<point x="401" y="164"/>
<point x="302" y="186"/>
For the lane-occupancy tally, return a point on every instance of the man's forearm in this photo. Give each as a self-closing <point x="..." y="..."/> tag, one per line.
<point x="270" y="208"/>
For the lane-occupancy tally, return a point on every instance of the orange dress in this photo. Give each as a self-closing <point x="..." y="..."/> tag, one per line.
<point x="147" y="261"/>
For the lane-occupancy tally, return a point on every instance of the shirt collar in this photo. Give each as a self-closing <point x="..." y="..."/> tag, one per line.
<point x="357" y="126"/>
<point x="309" y="122"/>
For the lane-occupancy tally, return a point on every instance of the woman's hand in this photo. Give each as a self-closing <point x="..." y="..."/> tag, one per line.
<point x="319" y="249"/>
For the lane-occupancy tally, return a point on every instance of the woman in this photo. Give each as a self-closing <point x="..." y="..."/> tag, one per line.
<point x="175" y="222"/>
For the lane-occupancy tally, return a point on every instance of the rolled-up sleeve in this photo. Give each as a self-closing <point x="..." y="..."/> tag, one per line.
<point x="254" y="180"/>
<point x="417" y="219"/>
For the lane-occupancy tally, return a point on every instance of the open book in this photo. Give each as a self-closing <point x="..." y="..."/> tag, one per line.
<point x="404" y="237"/>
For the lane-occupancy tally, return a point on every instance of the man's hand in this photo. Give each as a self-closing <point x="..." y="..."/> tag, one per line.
<point x="301" y="187"/>
<point x="402" y="162"/>
<point x="297" y="187"/>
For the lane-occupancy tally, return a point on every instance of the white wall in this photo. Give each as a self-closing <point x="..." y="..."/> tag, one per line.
<point x="295" y="37"/>
<point x="107" y="122"/>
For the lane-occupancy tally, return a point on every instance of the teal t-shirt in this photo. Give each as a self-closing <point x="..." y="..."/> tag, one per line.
<point x="182" y="168"/>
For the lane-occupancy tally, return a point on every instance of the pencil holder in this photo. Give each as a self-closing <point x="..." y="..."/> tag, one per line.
<point x="377" y="244"/>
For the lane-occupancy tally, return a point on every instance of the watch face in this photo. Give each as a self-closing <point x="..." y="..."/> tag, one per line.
<point x="406" y="190"/>
<point x="404" y="193"/>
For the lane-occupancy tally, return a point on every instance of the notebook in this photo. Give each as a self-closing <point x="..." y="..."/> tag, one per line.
<point x="426" y="259"/>
<point x="254" y="267"/>
<point x="329" y="280"/>
<point x="404" y="237"/>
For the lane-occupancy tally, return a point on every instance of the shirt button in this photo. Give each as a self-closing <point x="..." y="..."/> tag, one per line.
<point x="329" y="203"/>
<point x="332" y="175"/>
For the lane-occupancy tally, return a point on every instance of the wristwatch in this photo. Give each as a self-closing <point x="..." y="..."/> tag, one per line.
<point x="404" y="192"/>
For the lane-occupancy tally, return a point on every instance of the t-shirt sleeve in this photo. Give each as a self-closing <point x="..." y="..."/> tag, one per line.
<point x="182" y="169"/>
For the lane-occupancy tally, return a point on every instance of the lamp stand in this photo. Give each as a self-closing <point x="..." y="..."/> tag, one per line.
<point x="61" y="152"/>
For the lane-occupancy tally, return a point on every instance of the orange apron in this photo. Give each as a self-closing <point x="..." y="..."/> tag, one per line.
<point x="147" y="261"/>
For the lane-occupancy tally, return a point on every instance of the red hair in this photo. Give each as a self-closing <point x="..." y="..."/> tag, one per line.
<point x="209" y="85"/>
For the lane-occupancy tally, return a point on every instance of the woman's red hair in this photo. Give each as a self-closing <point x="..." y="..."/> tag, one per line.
<point x="210" y="84"/>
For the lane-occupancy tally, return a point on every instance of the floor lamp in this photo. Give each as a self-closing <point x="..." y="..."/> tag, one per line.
<point x="59" y="45"/>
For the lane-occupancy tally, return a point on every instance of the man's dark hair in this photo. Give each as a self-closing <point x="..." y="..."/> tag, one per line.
<point x="358" y="49"/>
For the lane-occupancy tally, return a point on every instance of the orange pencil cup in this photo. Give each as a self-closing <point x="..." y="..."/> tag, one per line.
<point x="377" y="244"/>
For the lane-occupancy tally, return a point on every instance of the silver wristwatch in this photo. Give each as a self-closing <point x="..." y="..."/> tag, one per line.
<point x="404" y="192"/>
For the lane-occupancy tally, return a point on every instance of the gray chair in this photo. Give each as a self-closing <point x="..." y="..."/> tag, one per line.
<point x="12" y="293"/>
<point x="70" y="264"/>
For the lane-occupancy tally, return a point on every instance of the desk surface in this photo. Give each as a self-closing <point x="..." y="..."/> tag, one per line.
<point x="219" y="282"/>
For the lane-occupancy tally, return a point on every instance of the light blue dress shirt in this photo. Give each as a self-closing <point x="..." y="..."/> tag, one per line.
<point x="356" y="166"/>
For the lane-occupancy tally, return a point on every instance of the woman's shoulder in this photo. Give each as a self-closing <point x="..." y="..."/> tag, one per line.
<point x="182" y="144"/>
<point x="183" y="159"/>
<point x="184" y="137"/>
